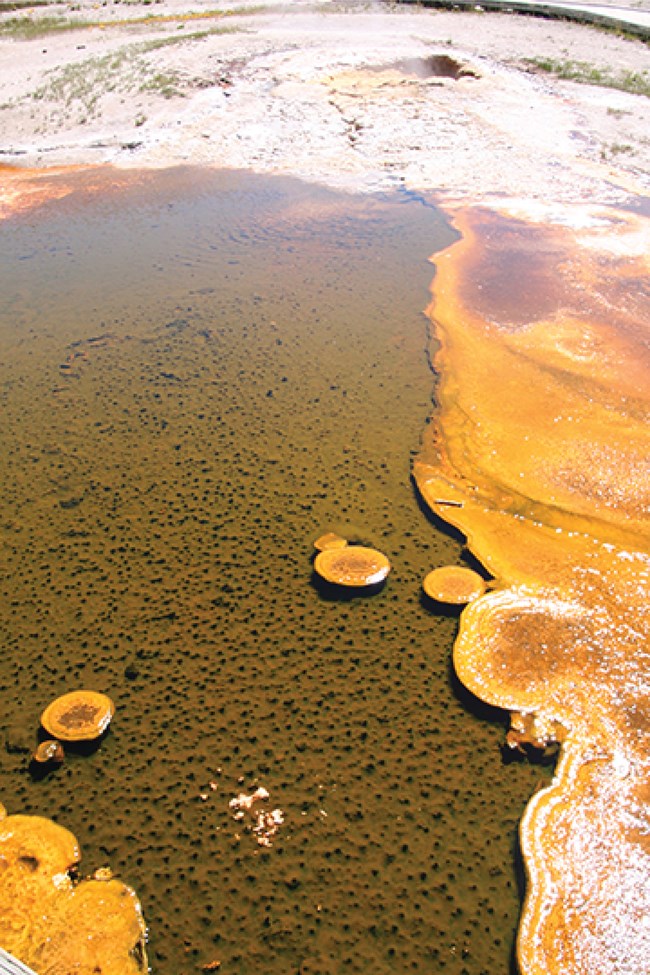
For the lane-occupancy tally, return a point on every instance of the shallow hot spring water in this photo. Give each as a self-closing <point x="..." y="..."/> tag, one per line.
<point x="199" y="375"/>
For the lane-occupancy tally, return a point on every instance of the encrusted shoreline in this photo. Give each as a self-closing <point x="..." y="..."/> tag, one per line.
<point x="353" y="96"/>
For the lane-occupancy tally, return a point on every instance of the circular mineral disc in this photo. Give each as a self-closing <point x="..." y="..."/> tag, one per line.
<point x="453" y="584"/>
<point x="49" y="751"/>
<point x="354" y="565"/>
<point x="329" y="540"/>
<point x="78" y="716"/>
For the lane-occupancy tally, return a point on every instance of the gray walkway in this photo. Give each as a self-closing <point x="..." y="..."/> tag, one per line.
<point x="632" y="20"/>
<point x="11" y="966"/>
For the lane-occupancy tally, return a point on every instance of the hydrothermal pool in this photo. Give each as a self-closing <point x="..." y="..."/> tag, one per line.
<point x="201" y="373"/>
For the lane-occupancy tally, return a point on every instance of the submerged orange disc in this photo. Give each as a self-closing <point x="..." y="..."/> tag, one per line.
<point x="354" y="565"/>
<point x="453" y="584"/>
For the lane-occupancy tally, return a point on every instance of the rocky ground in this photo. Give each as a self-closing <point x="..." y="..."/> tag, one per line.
<point x="357" y="95"/>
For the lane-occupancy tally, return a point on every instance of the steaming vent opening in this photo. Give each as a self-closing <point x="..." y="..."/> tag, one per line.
<point x="436" y="66"/>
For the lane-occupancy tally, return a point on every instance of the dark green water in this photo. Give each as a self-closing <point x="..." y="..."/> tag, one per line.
<point x="199" y="374"/>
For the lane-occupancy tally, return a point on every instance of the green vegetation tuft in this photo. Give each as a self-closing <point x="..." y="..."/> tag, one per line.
<point x="198" y="35"/>
<point x="26" y="28"/>
<point x="616" y="149"/>
<point x="163" y="83"/>
<point x="80" y="87"/>
<point x="634" y="82"/>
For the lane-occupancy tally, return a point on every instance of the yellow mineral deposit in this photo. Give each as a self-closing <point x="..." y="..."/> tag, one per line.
<point x="78" y="716"/>
<point x="329" y="540"/>
<point x="453" y="584"/>
<point x="354" y="565"/>
<point x="49" y="752"/>
<point x="53" y="924"/>
<point x="543" y="443"/>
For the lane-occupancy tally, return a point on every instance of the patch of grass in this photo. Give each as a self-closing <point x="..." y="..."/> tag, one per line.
<point x="634" y="82"/>
<point x="198" y="35"/>
<point x="186" y="18"/>
<point x="165" y="83"/>
<point x="27" y="28"/>
<point x="79" y="87"/>
<point x="615" y="149"/>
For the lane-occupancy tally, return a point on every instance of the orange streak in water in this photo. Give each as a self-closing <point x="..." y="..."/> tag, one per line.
<point x="25" y="190"/>
<point x="22" y="190"/>
<point x="542" y="438"/>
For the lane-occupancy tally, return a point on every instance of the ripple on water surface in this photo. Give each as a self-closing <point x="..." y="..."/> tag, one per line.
<point x="199" y="375"/>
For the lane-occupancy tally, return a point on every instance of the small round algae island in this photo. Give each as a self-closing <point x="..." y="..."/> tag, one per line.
<point x="355" y="565"/>
<point x="453" y="584"/>
<point x="78" y="716"/>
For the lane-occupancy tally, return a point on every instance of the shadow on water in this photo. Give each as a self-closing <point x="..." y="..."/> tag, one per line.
<point x="339" y="593"/>
<point x="438" y="523"/>
<point x="474" y="705"/>
<point x="447" y="610"/>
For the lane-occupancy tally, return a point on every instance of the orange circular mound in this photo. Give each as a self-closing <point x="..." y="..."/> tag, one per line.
<point x="354" y="565"/>
<point x="49" y="751"/>
<point x="99" y="928"/>
<point x="35" y="848"/>
<point x="53" y="924"/>
<point x="78" y="716"/>
<point x="453" y="584"/>
<point x="330" y="540"/>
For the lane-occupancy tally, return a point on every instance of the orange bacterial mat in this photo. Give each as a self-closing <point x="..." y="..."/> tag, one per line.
<point x="542" y="440"/>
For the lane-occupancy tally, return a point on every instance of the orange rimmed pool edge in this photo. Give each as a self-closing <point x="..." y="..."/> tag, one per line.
<point x="541" y="442"/>
<point x="22" y="190"/>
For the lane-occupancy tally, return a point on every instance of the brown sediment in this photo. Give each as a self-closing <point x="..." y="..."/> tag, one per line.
<point x="542" y="437"/>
